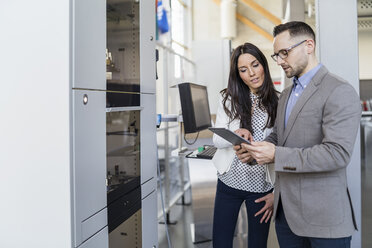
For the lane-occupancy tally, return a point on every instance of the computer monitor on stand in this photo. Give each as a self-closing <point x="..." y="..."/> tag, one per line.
<point x="196" y="117"/>
<point x="195" y="107"/>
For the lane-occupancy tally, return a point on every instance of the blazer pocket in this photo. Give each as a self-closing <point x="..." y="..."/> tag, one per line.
<point x="321" y="200"/>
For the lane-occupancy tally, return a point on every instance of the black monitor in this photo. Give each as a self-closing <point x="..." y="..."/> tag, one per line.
<point x="195" y="107"/>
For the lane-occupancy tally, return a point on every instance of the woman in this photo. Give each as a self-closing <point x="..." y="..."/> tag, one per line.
<point x="248" y="107"/>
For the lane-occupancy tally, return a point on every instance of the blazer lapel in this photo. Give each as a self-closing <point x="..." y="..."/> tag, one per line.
<point x="311" y="88"/>
<point x="281" y="114"/>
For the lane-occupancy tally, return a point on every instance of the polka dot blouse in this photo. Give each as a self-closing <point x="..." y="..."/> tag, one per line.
<point x="247" y="177"/>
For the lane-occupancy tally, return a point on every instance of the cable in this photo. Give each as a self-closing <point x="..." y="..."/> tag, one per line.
<point x="184" y="138"/>
<point x="162" y="200"/>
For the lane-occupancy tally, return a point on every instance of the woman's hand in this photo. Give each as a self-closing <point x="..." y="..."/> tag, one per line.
<point x="267" y="209"/>
<point x="243" y="155"/>
<point x="244" y="133"/>
<point x="241" y="152"/>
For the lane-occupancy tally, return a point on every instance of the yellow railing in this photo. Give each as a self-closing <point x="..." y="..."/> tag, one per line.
<point x="256" y="28"/>
<point x="262" y="11"/>
<point x="258" y="8"/>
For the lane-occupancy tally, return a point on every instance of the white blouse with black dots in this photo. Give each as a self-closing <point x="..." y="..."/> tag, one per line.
<point x="243" y="176"/>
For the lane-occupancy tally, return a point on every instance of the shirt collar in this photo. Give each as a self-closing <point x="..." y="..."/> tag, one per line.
<point x="253" y="96"/>
<point x="305" y="79"/>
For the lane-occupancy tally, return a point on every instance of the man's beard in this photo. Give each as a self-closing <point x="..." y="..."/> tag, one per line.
<point x="295" y="71"/>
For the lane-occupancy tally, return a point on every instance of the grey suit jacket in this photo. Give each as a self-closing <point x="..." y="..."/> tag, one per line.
<point x="311" y="156"/>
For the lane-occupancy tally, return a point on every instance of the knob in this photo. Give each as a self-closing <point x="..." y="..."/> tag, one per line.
<point x="85" y="99"/>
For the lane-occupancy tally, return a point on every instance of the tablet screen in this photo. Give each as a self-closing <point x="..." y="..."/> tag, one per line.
<point x="229" y="135"/>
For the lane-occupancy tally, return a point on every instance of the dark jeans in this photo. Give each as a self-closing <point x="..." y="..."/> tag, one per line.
<point x="287" y="239"/>
<point x="226" y="210"/>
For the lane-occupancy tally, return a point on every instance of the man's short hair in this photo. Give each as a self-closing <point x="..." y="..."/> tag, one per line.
<point x="295" y="29"/>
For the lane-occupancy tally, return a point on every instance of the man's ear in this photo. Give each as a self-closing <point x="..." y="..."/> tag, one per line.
<point x="310" y="46"/>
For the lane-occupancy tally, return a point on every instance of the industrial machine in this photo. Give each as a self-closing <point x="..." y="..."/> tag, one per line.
<point x="114" y="124"/>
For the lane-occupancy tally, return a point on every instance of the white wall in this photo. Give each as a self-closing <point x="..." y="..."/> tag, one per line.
<point x="212" y="63"/>
<point x="34" y="126"/>
<point x="207" y="49"/>
<point x="206" y="24"/>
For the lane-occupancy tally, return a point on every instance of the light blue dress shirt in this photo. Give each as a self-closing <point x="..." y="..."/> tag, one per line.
<point x="299" y="85"/>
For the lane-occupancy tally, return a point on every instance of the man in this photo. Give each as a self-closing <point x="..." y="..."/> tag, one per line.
<point x="311" y="145"/>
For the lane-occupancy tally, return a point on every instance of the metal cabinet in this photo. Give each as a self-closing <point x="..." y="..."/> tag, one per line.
<point x="147" y="46"/>
<point x="99" y="240"/>
<point x="130" y="53"/>
<point x="89" y="160"/>
<point x="150" y="220"/>
<point x="113" y="50"/>
<point x="127" y="234"/>
<point x="89" y="43"/>
<point x="148" y="138"/>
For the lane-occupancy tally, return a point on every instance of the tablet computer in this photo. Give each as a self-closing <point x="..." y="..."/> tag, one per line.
<point x="229" y="135"/>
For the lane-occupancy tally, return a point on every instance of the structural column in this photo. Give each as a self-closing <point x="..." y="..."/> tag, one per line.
<point x="292" y="11"/>
<point x="338" y="51"/>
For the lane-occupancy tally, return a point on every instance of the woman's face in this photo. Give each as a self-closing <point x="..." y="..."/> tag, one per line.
<point x="251" y="71"/>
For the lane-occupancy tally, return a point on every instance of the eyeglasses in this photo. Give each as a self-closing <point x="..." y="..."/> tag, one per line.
<point x="284" y="52"/>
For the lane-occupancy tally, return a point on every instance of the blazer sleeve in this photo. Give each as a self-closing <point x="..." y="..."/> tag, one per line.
<point x="273" y="137"/>
<point x="222" y="120"/>
<point x="340" y="124"/>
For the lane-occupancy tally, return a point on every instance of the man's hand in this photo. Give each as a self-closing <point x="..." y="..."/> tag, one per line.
<point x="267" y="209"/>
<point x="263" y="152"/>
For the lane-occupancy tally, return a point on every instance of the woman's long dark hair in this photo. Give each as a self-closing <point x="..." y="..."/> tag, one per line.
<point x="239" y="93"/>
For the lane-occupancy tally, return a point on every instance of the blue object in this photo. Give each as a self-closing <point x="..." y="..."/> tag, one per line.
<point x="162" y="18"/>
<point x="158" y="120"/>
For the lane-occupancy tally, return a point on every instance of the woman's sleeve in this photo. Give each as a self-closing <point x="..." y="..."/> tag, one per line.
<point x="222" y="120"/>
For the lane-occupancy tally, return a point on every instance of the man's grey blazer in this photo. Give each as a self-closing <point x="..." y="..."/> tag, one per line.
<point x="311" y="156"/>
